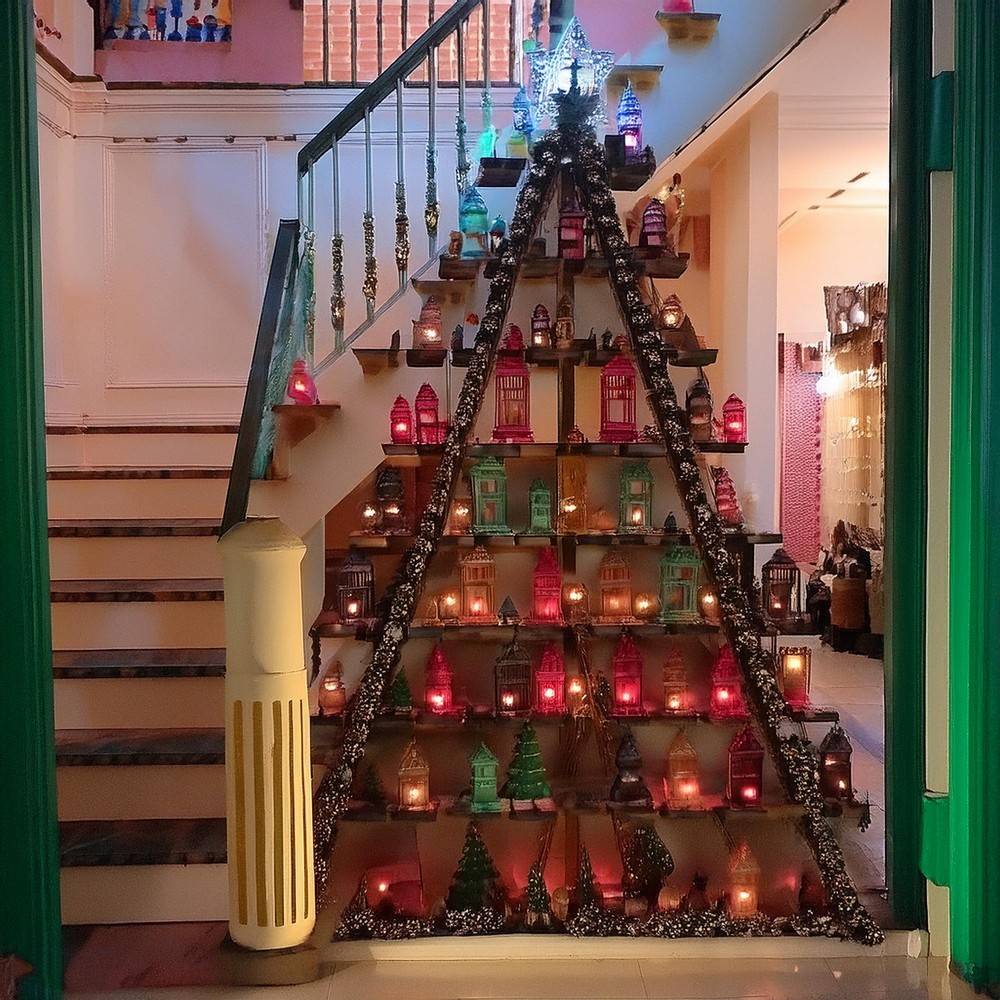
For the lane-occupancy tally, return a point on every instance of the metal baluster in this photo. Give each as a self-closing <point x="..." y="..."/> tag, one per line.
<point x="370" y="285"/>
<point x="432" y="209"/>
<point x="337" y="256"/>
<point x="310" y="206"/>
<point x="402" y="220"/>
<point x="462" y="165"/>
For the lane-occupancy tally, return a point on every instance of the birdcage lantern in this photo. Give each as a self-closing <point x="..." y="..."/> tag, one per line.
<point x="618" y="400"/>
<point x="489" y="496"/>
<point x="615" y="580"/>
<point x="541" y="327"/>
<point x="744" y="881"/>
<point x="513" y="392"/>
<point x="512" y="674"/>
<point x="414" y="780"/>
<point x="675" y="685"/>
<point x="698" y="402"/>
<point x="726" y="696"/>
<point x="746" y="770"/>
<point x="835" y="765"/>
<point x="734" y="420"/>
<point x="653" y="233"/>
<point x="627" y="668"/>
<point x="572" y="221"/>
<point x="391" y="496"/>
<point x="438" y="683"/>
<point x="427" y="329"/>
<point x="550" y="681"/>
<point x="681" y="787"/>
<point x="547" y="589"/>
<point x="780" y="580"/>
<point x="401" y="422"/>
<point x="795" y="674"/>
<point x="680" y="567"/>
<point x="431" y="429"/>
<point x="478" y="574"/>
<point x="355" y="588"/>
<point x="635" y="498"/>
<point x="539" y="508"/>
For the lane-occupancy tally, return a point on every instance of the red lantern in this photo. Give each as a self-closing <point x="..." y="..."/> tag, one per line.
<point x="726" y="700"/>
<point x="653" y="233"/>
<point x="734" y="420"/>
<point x="301" y="388"/>
<point x="430" y="428"/>
<point x="547" y="598"/>
<point x="618" y="400"/>
<point x="571" y="224"/>
<point x="627" y="663"/>
<point x="513" y="393"/>
<point x="437" y="686"/>
<point x="550" y="682"/>
<point x="746" y="769"/>
<point x="401" y="422"/>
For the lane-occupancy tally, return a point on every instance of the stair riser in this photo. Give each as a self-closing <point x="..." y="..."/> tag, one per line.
<point x="144" y="894"/>
<point x="156" y="450"/>
<point x="143" y="558"/>
<point x="131" y="624"/>
<point x="140" y="703"/>
<point x="113" y="498"/>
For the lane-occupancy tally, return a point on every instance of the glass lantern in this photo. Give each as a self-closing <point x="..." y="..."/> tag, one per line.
<point x="437" y="684"/>
<point x="355" y="588"/>
<point x="547" y="589"/>
<point x="675" y="686"/>
<point x="489" y="494"/>
<point x="484" y="781"/>
<point x="726" y="697"/>
<point x="427" y="329"/>
<point x="794" y="674"/>
<point x="734" y="420"/>
<point x="401" y="422"/>
<point x="572" y="221"/>
<point x="431" y="429"/>
<point x="332" y="696"/>
<point x="698" y="402"/>
<point x="746" y="770"/>
<point x="550" y="682"/>
<point x="615" y="579"/>
<point x="635" y="498"/>
<point x="541" y="327"/>
<point x="627" y="666"/>
<point x="653" y="233"/>
<point x="513" y="392"/>
<point x="780" y="579"/>
<point x="681" y="787"/>
<point x="539" y="508"/>
<point x="565" y="324"/>
<point x="835" y="766"/>
<point x="744" y="879"/>
<point x="474" y="223"/>
<point x="512" y="675"/>
<point x="414" y="780"/>
<point x="369" y="517"/>
<point x="672" y="313"/>
<point x="629" y="120"/>
<point x="618" y="400"/>
<point x="478" y="574"/>
<point x="301" y="388"/>
<point x="680" y="567"/>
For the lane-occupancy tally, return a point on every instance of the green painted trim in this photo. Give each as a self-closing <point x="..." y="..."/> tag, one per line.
<point x="974" y="736"/>
<point x="935" y="840"/>
<point x="941" y="141"/>
<point x="29" y="854"/>
<point x="906" y="456"/>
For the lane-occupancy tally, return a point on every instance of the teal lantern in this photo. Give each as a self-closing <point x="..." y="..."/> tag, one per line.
<point x="679" y="570"/>
<point x="635" y="501"/>
<point x="484" y="781"/>
<point x="539" y="508"/>
<point x="474" y="221"/>
<point x="489" y="497"/>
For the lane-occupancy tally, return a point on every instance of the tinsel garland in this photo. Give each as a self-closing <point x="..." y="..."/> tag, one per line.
<point x="370" y="285"/>
<point x="468" y="923"/>
<point x="337" y="284"/>
<point x="402" y="230"/>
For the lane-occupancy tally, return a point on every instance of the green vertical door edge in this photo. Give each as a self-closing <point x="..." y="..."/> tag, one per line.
<point x="29" y="856"/>
<point x="906" y="456"/>
<point x="974" y="734"/>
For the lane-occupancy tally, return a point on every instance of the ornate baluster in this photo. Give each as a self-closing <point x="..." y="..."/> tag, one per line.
<point x="402" y="220"/>
<point x="370" y="285"/>
<point x="432" y="210"/>
<point x="462" y="164"/>
<point x="337" y="256"/>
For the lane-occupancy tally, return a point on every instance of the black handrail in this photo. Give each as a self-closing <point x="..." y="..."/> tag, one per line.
<point x="385" y="83"/>
<point x="279" y="280"/>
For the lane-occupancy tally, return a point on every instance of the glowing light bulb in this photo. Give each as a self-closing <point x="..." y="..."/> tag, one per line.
<point x="626" y="696"/>
<point x="744" y="895"/>
<point x="688" y="789"/>
<point x="723" y="694"/>
<point x="437" y="700"/>
<point x="383" y="887"/>
<point x="414" y="794"/>
<point x="331" y="685"/>
<point x="402" y="428"/>
<point x="508" y="700"/>
<point x="300" y="385"/>
<point x="575" y="687"/>
<point x="477" y="607"/>
<point x="749" y="793"/>
<point x="842" y="785"/>
<point x="793" y="663"/>
<point x="353" y="608"/>
<point x="637" y="515"/>
<point x="549" y="693"/>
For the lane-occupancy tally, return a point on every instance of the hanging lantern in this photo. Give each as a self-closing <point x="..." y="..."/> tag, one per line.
<point x="513" y="392"/>
<point x="627" y="666"/>
<point x="474" y="222"/>
<point x="550" y="682"/>
<point x="780" y="578"/>
<point x="460" y="516"/>
<point x="427" y="329"/>
<point x="572" y="494"/>
<point x="681" y="787"/>
<point x="565" y="324"/>
<point x="401" y="422"/>
<point x="629" y="120"/>
<point x="430" y="428"/>
<point x="698" y="403"/>
<point x="512" y="673"/>
<point x="541" y="327"/>
<point x="672" y="313"/>
<point x="726" y="698"/>
<point x="635" y="498"/>
<point x="615" y="578"/>
<point x="835" y="765"/>
<point x="575" y="602"/>
<point x="709" y="606"/>
<point x="301" y="388"/>
<point x="547" y="589"/>
<point x="646" y="606"/>
<point x="390" y="495"/>
<point x="727" y="503"/>
<point x="498" y="230"/>
<point x="734" y="420"/>
<point x="744" y="877"/>
<point x="618" y="400"/>
<point x="679" y="570"/>
<point x="414" y="780"/>
<point x="369" y="517"/>
<point x="539" y="508"/>
<point x="746" y="770"/>
<point x="489" y="495"/>
<point x="653" y="234"/>
<point x="675" y="687"/>
<point x="794" y="674"/>
<point x="355" y="588"/>
<point x="478" y="574"/>
<point x="571" y="225"/>
<point x="332" y="696"/>
<point x="437" y="683"/>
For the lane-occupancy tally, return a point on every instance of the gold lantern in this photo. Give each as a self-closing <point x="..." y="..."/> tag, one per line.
<point x="414" y="780"/>
<point x="680" y="787"/>
<point x="744" y="877"/>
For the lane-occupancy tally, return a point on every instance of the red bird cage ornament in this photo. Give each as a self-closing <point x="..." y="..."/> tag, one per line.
<point x="550" y="682"/>
<point x="437" y="684"/>
<point x="401" y="422"/>
<point x="572" y="244"/>
<point x="746" y="769"/>
<point x="513" y="392"/>
<point x="547" y="589"/>
<point x="430" y="428"/>
<point x="726" y="701"/>
<point x="627" y="664"/>
<point x="734" y="420"/>
<point x="618" y="400"/>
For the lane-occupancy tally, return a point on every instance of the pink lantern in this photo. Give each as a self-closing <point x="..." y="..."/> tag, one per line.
<point x="513" y="392"/>
<point x="678" y="6"/>
<point x="618" y="400"/>
<point x="746" y="769"/>
<point x="430" y="428"/>
<point x="734" y="420"/>
<point x="550" y="682"/>
<point x="726" y="701"/>
<point x="627" y="663"/>
<point x="571" y="225"/>
<point x="301" y="388"/>
<point x="437" y="686"/>
<point x="547" y="598"/>
<point x="401" y="422"/>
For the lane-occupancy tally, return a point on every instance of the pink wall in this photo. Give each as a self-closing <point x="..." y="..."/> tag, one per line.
<point x="266" y="48"/>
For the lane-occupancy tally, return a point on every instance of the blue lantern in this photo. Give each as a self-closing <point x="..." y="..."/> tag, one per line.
<point x="630" y="120"/>
<point x="523" y="120"/>
<point x="474" y="222"/>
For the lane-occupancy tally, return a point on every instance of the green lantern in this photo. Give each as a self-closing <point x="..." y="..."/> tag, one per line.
<point x="539" y="508"/>
<point x="635" y="501"/>
<point x="489" y="497"/>
<point x="679" y="570"/>
<point x="484" y="781"/>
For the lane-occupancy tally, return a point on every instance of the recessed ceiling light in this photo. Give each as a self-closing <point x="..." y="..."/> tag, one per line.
<point x="864" y="173"/>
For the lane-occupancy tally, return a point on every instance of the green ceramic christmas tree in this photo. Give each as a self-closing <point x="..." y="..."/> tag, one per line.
<point x="372" y="790"/>
<point x="474" y="885"/>
<point x="586" y="889"/>
<point x="400" y="698"/>
<point x="526" y="774"/>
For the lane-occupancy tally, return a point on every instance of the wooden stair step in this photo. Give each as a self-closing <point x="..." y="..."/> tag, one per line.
<point x="59" y="429"/>
<point x="136" y="472"/>
<point x="136" y="527"/>
<point x="104" y="591"/>
<point x="83" y="664"/>
<point x="89" y="843"/>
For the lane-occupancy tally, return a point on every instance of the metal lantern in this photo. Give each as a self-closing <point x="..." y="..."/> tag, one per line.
<point x="680" y="567"/>
<point x="727" y="503"/>
<point x="653" y="233"/>
<point x="795" y="674"/>
<point x="618" y="400"/>
<point x="460" y="516"/>
<point x="484" y="781"/>
<point x="734" y="420"/>
<point x="675" y="686"/>
<point x="539" y="508"/>
<point x="431" y="429"/>
<point x="547" y="589"/>
<point x="478" y="574"/>
<point x="550" y="681"/>
<point x="709" y="606"/>
<point x="726" y="698"/>
<point x="427" y="329"/>
<point x="512" y="675"/>
<point x="391" y="500"/>
<point x="635" y="498"/>
<point x="572" y="220"/>
<point x="615" y="579"/>
<point x="565" y="324"/>
<point x="401" y="422"/>
<point x="681" y="787"/>
<point x="572" y="494"/>
<point x="698" y="402"/>
<point x="672" y="313"/>
<point x="835" y="765"/>
<point x="474" y="223"/>
<point x="489" y="496"/>
<point x="513" y="392"/>
<point x="746" y="769"/>
<point x="414" y="780"/>
<point x="629" y="120"/>
<point x="332" y="696"/>
<point x="780" y="578"/>
<point x="541" y="327"/>
<point x="744" y="879"/>
<point x="437" y="684"/>
<point x="355" y="588"/>
<point x="627" y="665"/>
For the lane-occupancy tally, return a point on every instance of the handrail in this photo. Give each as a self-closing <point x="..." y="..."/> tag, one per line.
<point x="384" y="84"/>
<point x="279" y="277"/>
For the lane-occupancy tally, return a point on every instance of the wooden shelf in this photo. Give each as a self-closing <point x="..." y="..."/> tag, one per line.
<point x="451" y="290"/>
<point x="294" y="424"/>
<point x="542" y="450"/>
<point x="461" y="267"/>
<point x="693" y="27"/>
<point x="646" y="263"/>
<point x="630" y="177"/>
<point x="694" y="359"/>
<point x="376" y="359"/>
<point x="641" y="76"/>
<point x="426" y="357"/>
<point x="500" y="171"/>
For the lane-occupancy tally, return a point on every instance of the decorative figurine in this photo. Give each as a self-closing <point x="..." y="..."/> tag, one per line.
<point x="526" y="781"/>
<point x="455" y="240"/>
<point x="508" y="613"/>
<point x="629" y="788"/>
<point x="458" y="338"/>
<point x="484" y="781"/>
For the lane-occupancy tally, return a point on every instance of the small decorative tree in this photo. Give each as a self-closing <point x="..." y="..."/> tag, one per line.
<point x="474" y="884"/>
<point x="647" y="863"/>
<point x="539" y="900"/>
<point x="400" y="697"/>
<point x="526" y="774"/>
<point x="372" y="790"/>
<point x="586" y="890"/>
